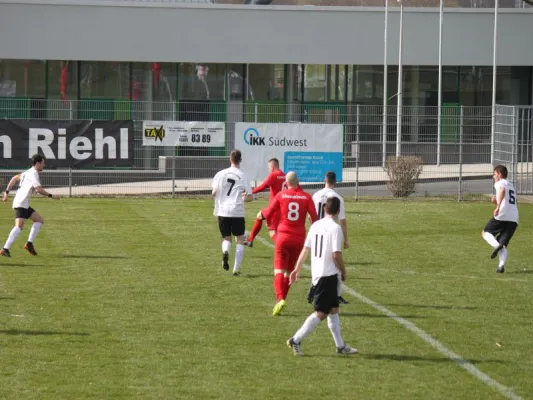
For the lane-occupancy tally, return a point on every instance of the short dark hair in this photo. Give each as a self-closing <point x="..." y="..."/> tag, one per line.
<point x="333" y="205"/>
<point x="502" y="169"/>
<point x="274" y="161"/>
<point x="331" y="178"/>
<point x="235" y="156"/>
<point x="37" y="158"/>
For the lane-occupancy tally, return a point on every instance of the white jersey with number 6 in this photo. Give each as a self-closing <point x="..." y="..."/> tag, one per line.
<point x="230" y="184"/>
<point x="324" y="238"/>
<point x="320" y="198"/>
<point x="28" y="180"/>
<point x="508" y="206"/>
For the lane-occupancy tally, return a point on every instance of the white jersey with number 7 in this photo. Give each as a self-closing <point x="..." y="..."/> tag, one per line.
<point x="230" y="184"/>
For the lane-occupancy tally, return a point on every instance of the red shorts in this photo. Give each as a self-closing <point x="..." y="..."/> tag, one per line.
<point x="273" y="221"/>
<point x="287" y="251"/>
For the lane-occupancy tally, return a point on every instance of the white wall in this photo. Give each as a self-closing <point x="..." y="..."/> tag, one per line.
<point x="140" y="31"/>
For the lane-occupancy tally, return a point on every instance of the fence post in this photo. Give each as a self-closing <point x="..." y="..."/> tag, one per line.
<point x="69" y="181"/>
<point x="460" y="193"/>
<point x="514" y="161"/>
<point x="173" y="176"/>
<point x="357" y="152"/>
<point x="255" y="112"/>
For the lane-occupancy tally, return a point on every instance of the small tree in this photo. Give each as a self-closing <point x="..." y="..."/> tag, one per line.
<point x="403" y="171"/>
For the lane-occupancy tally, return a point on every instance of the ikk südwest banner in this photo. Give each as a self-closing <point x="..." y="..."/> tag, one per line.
<point x="79" y="144"/>
<point x="184" y="133"/>
<point x="310" y="150"/>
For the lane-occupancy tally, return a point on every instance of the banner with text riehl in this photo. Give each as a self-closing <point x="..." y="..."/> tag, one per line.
<point x="79" y="144"/>
<point x="310" y="150"/>
<point x="184" y="133"/>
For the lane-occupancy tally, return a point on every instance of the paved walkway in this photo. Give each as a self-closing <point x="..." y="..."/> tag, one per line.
<point x="364" y="175"/>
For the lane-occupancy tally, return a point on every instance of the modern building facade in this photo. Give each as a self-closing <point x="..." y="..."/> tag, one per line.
<point x="108" y="59"/>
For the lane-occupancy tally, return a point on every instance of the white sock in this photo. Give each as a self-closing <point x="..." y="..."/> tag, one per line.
<point x="239" y="254"/>
<point x="13" y="235"/>
<point x="309" y="326"/>
<point x="35" y="228"/>
<point x="334" y="325"/>
<point x="226" y="246"/>
<point x="490" y="239"/>
<point x="503" y="256"/>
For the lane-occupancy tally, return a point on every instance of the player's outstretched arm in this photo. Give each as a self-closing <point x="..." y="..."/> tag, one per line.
<point x="40" y="190"/>
<point x="10" y="186"/>
<point x="339" y="262"/>
<point x="247" y="197"/>
<point x="499" y="198"/>
<point x="295" y="274"/>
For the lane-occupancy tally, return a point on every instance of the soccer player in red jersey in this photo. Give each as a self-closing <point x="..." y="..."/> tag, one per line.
<point x="293" y="205"/>
<point x="275" y="182"/>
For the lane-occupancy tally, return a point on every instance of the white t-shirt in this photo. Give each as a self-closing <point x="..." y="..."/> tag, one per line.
<point x="230" y="184"/>
<point x="324" y="238"/>
<point x="28" y="180"/>
<point x="508" y="206"/>
<point x="320" y="198"/>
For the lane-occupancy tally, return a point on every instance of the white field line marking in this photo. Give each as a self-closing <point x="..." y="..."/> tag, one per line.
<point x="487" y="380"/>
<point x="12" y="315"/>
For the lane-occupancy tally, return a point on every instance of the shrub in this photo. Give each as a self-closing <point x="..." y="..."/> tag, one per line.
<point x="403" y="171"/>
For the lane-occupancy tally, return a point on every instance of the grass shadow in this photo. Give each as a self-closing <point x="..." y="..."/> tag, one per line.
<point x="528" y="271"/>
<point x="19" y="265"/>
<point x="15" y="332"/>
<point x="90" y="256"/>
<point x="402" y="358"/>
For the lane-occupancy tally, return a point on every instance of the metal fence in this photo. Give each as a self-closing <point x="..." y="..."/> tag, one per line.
<point x="513" y="145"/>
<point x="457" y="165"/>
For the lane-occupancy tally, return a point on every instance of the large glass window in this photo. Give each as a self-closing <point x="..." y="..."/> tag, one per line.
<point x="337" y="77"/>
<point x="199" y="81"/>
<point x="23" y="78"/>
<point x="266" y="82"/>
<point x="106" y="80"/>
<point x="315" y="82"/>
<point x="63" y="80"/>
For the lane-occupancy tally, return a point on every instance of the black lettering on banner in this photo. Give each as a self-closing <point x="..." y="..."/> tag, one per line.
<point x="232" y="181"/>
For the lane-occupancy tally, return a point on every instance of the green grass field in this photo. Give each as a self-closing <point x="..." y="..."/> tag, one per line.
<point x="128" y="300"/>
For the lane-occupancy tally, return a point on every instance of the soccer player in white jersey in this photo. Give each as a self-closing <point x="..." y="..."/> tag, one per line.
<point x="320" y="198"/>
<point x="324" y="241"/>
<point x="502" y="226"/>
<point x="231" y="189"/>
<point x="29" y="183"/>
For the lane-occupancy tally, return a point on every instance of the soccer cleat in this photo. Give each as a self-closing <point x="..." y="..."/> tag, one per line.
<point x="5" y="252"/>
<point x="236" y="273"/>
<point x="249" y="244"/>
<point x="496" y="251"/>
<point x="296" y="347"/>
<point x="500" y="269"/>
<point x="29" y="246"/>
<point x="347" y="350"/>
<point x="225" y="261"/>
<point x="280" y="305"/>
<point x="342" y="300"/>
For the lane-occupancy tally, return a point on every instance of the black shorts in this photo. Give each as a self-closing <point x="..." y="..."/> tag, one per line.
<point x="24" y="212"/>
<point x="325" y="294"/>
<point x="502" y="230"/>
<point x="231" y="226"/>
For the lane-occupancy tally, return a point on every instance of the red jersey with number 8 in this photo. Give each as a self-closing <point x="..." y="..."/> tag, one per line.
<point x="293" y="205"/>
